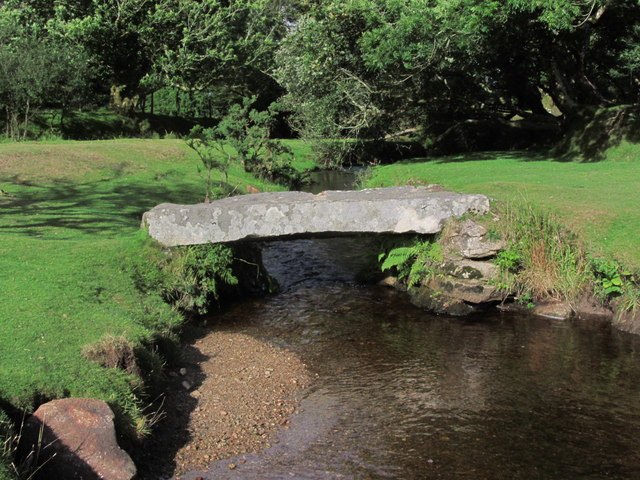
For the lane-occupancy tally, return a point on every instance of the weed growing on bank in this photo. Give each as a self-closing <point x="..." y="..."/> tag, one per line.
<point x="415" y="261"/>
<point x="7" y="447"/>
<point x="543" y="259"/>
<point x="189" y="278"/>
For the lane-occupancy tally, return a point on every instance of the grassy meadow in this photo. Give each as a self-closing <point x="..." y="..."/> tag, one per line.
<point x="599" y="200"/>
<point x="69" y="227"/>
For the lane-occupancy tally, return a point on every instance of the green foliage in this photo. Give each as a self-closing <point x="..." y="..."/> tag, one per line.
<point x="614" y="283"/>
<point x="526" y="299"/>
<point x="611" y="278"/>
<point x="188" y="277"/>
<point x="244" y="135"/>
<point x="37" y="70"/>
<point x="509" y="260"/>
<point x="365" y="69"/>
<point x="415" y="263"/>
<point x="211" y="43"/>
<point x="214" y="153"/>
<point x="396" y="257"/>
<point x="194" y="104"/>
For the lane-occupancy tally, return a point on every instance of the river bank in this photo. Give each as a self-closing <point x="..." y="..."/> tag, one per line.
<point x="71" y="211"/>
<point x="69" y="231"/>
<point x="229" y="396"/>
<point x="401" y="393"/>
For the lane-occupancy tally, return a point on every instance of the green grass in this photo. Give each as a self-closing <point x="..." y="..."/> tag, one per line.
<point x="599" y="201"/>
<point x="69" y="226"/>
<point x="303" y="156"/>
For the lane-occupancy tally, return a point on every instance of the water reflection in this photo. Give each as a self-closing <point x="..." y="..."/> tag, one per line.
<point x="403" y="394"/>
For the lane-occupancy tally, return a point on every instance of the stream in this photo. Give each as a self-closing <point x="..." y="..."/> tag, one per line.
<point x="399" y="393"/>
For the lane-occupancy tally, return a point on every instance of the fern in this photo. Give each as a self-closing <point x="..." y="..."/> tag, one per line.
<point x="397" y="257"/>
<point x="418" y="272"/>
<point x="414" y="263"/>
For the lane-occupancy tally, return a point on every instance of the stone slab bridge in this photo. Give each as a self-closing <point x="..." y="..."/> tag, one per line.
<point x="272" y="215"/>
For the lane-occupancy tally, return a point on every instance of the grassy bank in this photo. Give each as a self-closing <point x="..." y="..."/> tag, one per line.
<point x="69" y="227"/>
<point x="597" y="200"/>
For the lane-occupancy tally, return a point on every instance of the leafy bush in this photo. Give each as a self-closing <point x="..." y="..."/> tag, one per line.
<point x="613" y="282"/>
<point x="214" y="152"/>
<point x="188" y="277"/>
<point x="610" y="278"/>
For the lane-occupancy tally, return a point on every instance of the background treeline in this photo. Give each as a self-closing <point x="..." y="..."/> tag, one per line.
<point x="455" y="74"/>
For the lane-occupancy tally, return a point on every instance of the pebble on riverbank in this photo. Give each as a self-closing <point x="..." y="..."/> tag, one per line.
<point x="242" y="391"/>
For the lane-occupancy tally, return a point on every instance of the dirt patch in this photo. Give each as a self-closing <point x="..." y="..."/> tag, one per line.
<point x="232" y="393"/>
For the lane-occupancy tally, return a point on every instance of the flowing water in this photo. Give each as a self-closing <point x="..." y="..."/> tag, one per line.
<point x="402" y="394"/>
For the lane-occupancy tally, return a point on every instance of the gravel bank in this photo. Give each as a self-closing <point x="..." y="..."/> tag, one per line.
<point x="230" y="395"/>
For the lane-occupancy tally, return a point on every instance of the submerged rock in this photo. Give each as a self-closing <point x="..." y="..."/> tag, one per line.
<point x="553" y="309"/>
<point x="433" y="301"/>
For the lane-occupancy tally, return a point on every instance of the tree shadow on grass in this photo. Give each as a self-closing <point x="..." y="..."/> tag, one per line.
<point x="519" y="155"/>
<point x="589" y="140"/>
<point x="103" y="208"/>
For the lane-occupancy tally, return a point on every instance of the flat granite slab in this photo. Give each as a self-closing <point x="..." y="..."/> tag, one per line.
<point x="285" y="214"/>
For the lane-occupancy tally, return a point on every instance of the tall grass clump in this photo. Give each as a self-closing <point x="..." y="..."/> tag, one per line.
<point x="7" y="447"/>
<point x="543" y="260"/>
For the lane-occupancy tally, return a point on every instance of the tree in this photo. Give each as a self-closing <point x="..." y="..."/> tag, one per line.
<point x="214" y="153"/>
<point x="368" y="68"/>
<point x="35" y="70"/>
<point x="121" y="36"/>
<point x="247" y="131"/>
<point x="211" y="45"/>
<point x="243" y="136"/>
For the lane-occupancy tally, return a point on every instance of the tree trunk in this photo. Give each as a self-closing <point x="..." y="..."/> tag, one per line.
<point x="121" y="103"/>
<point x="26" y="121"/>
<point x="560" y="93"/>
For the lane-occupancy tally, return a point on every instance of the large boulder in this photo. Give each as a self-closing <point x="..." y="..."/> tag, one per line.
<point x="286" y="214"/>
<point x="74" y="438"/>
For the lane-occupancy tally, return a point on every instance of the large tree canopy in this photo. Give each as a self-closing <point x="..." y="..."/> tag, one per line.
<point x="359" y="68"/>
<point x="370" y="67"/>
<point x="36" y="69"/>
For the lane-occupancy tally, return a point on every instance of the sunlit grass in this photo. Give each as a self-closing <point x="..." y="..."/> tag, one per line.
<point x="69" y="221"/>
<point x="599" y="200"/>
